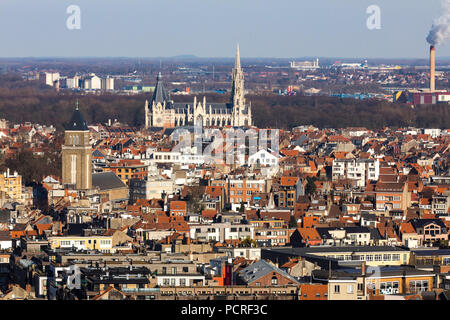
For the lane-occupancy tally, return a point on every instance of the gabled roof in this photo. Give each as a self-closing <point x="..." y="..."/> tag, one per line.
<point x="107" y="181"/>
<point x="259" y="269"/>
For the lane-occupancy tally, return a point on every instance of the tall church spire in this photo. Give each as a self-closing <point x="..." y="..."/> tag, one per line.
<point x="237" y="64"/>
<point x="159" y="95"/>
<point x="237" y="92"/>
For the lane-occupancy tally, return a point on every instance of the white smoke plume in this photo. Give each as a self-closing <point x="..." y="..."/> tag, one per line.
<point x="440" y="30"/>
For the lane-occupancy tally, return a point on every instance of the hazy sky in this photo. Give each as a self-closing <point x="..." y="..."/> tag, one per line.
<point x="211" y="28"/>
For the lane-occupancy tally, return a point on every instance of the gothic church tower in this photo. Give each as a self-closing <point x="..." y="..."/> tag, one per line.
<point x="239" y="113"/>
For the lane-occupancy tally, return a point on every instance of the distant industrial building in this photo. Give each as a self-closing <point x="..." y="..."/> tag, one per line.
<point x="417" y="97"/>
<point x="429" y="96"/>
<point x="305" y="65"/>
<point x="359" y="65"/>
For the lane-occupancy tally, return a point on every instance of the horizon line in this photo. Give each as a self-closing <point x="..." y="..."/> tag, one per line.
<point x="189" y="56"/>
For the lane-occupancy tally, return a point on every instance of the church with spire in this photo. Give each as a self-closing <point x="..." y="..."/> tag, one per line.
<point x="163" y="112"/>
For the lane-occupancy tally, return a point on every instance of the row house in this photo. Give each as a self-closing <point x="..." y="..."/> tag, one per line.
<point x="430" y="230"/>
<point x="242" y="190"/>
<point x="289" y="189"/>
<point x="271" y="232"/>
<point x="359" y="236"/>
<point x="392" y="196"/>
<point x="440" y="204"/>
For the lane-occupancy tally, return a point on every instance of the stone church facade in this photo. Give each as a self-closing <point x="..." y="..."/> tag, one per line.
<point x="165" y="113"/>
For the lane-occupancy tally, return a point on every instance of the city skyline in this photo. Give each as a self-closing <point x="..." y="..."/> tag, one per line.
<point x="285" y="29"/>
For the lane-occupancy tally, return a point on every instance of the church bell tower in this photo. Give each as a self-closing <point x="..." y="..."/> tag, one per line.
<point x="77" y="153"/>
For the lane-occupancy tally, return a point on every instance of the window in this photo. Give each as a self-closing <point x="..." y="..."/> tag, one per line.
<point x="378" y="257"/>
<point x="274" y="280"/>
<point x="350" y="288"/>
<point x="369" y="257"/>
<point x="387" y="257"/>
<point x="337" y="289"/>
<point x="390" y="287"/>
<point x="395" y="257"/>
<point x="416" y="286"/>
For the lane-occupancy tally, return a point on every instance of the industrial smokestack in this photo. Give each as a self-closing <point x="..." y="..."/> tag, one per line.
<point x="432" y="68"/>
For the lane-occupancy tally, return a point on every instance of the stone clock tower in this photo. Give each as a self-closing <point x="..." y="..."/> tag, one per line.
<point x="77" y="154"/>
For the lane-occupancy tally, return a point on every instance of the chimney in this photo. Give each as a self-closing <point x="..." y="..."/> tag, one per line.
<point x="432" y="68"/>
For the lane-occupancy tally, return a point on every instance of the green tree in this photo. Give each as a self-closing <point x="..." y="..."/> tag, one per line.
<point x="248" y="242"/>
<point x="194" y="199"/>
<point x="310" y="188"/>
<point x="293" y="222"/>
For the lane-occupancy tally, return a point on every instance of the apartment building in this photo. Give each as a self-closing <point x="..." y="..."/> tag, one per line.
<point x="271" y="232"/>
<point x="430" y="230"/>
<point x="11" y="184"/>
<point x="392" y="196"/>
<point x="221" y="231"/>
<point x="151" y="188"/>
<point x="129" y="169"/>
<point x="374" y="256"/>
<point x="177" y="157"/>
<point x="361" y="284"/>
<point x="103" y="244"/>
<point x="440" y="204"/>
<point x="242" y="190"/>
<point x="359" y="170"/>
<point x="289" y="189"/>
